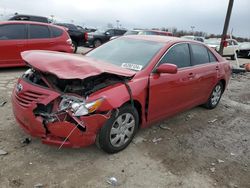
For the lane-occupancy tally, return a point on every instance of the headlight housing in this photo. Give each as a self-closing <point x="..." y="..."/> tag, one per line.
<point x="78" y="106"/>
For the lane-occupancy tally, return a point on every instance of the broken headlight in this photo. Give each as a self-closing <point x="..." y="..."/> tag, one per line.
<point x="78" y="106"/>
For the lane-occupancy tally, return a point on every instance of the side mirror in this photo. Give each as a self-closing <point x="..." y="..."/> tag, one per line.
<point x="167" y="68"/>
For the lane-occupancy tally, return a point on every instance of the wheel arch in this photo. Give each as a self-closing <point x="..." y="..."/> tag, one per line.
<point x="223" y="81"/>
<point x="138" y="107"/>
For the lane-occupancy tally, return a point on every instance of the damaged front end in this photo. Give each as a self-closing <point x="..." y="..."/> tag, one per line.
<point x="58" y="110"/>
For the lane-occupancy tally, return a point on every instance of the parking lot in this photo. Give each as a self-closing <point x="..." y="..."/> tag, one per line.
<point x="197" y="148"/>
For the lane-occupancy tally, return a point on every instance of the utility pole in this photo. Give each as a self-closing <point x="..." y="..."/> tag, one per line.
<point x="224" y="34"/>
<point x="192" y="27"/>
<point x="117" y="23"/>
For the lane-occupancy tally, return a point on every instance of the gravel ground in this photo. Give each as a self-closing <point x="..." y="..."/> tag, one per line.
<point x="197" y="148"/>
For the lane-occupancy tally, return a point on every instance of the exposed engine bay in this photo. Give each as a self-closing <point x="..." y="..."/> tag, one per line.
<point x="80" y="87"/>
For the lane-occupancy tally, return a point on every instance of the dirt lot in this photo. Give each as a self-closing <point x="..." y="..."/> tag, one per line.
<point x="198" y="148"/>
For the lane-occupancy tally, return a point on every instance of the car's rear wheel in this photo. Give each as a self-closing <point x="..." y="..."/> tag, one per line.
<point x="119" y="130"/>
<point x="97" y="42"/>
<point x="74" y="45"/>
<point x="215" y="96"/>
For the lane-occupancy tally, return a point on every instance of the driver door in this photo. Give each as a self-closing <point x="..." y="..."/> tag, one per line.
<point x="171" y="93"/>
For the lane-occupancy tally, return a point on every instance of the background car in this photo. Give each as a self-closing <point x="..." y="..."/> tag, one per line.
<point x="117" y="88"/>
<point x="18" y="36"/>
<point x="145" y="32"/>
<point x="77" y="35"/>
<point x="25" y="17"/>
<point x="99" y="37"/>
<point x="231" y="46"/>
<point x="244" y="50"/>
<point x="192" y="37"/>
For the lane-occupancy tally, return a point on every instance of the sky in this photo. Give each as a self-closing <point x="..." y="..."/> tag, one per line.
<point x="205" y="15"/>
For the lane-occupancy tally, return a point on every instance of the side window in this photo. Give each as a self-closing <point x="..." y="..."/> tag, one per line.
<point x="13" y="32"/>
<point x="235" y="43"/>
<point x="119" y="32"/>
<point x="230" y="43"/>
<point x="212" y="58"/>
<point x="56" y="32"/>
<point x="111" y="32"/>
<point x="200" y="55"/>
<point x="39" y="32"/>
<point x="178" y="55"/>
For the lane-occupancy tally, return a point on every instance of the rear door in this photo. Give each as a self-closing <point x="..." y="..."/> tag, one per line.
<point x="205" y="69"/>
<point x="39" y="37"/>
<point x="13" y="40"/>
<point x="171" y="93"/>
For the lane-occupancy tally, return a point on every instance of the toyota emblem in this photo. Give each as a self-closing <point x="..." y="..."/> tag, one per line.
<point x="19" y="87"/>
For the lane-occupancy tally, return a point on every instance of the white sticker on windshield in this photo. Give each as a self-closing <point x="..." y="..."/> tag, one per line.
<point x="132" y="66"/>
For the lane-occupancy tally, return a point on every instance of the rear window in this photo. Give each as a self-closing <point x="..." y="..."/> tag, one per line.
<point x="39" y="32"/>
<point x="12" y="32"/>
<point x="200" y="54"/>
<point x="56" y="32"/>
<point x="212" y="58"/>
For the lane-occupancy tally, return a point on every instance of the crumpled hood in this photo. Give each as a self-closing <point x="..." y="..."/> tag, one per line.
<point x="70" y="66"/>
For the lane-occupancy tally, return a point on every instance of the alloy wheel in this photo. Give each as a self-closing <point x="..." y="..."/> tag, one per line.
<point x="216" y="95"/>
<point x="122" y="129"/>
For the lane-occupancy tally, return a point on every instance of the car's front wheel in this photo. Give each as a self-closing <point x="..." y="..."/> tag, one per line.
<point x="119" y="130"/>
<point x="215" y="96"/>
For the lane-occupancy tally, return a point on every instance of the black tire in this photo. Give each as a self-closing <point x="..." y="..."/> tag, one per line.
<point x="213" y="100"/>
<point x="232" y="57"/>
<point x="97" y="42"/>
<point x="106" y="140"/>
<point x="74" y="44"/>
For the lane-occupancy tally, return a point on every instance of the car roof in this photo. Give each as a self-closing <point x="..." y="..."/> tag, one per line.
<point x="30" y="22"/>
<point x="24" y="22"/>
<point x="158" y="38"/>
<point x="28" y="15"/>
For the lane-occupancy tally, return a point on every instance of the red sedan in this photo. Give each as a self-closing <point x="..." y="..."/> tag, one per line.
<point x="117" y="88"/>
<point x="18" y="36"/>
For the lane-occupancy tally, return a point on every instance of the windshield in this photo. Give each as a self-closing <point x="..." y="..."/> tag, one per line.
<point x="245" y="45"/>
<point x="127" y="53"/>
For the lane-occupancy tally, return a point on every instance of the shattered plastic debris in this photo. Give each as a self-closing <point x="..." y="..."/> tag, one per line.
<point x="212" y="121"/>
<point x="156" y="140"/>
<point x="232" y="154"/>
<point x="220" y="161"/>
<point x="26" y="141"/>
<point x="188" y="117"/>
<point x="38" y="185"/>
<point x="212" y="169"/>
<point x="165" y="127"/>
<point x="112" y="181"/>
<point x="2" y="103"/>
<point x="2" y="152"/>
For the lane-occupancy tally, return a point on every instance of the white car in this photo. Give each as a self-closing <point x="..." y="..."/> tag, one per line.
<point x="230" y="47"/>
<point x="192" y="37"/>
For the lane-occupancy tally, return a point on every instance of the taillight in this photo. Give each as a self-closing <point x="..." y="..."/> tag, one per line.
<point x="69" y="41"/>
<point x="225" y="44"/>
<point x="86" y="36"/>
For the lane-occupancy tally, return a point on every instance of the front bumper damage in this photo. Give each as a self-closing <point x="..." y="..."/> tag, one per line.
<point x="58" y="128"/>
